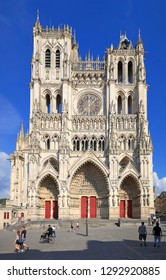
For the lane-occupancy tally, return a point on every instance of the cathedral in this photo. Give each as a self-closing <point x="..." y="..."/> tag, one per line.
<point x="88" y="151"/>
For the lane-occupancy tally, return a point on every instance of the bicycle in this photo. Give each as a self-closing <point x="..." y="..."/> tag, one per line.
<point x="47" y="238"/>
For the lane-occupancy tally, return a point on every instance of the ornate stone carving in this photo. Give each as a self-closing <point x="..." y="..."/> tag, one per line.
<point x="89" y="104"/>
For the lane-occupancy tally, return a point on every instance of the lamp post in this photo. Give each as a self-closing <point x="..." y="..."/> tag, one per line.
<point x="87" y="218"/>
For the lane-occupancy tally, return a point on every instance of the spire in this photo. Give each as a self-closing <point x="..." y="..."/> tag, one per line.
<point x="139" y="42"/>
<point x="139" y="37"/>
<point x="37" y="26"/>
<point x="20" y="138"/>
<point x="38" y="14"/>
<point x="22" y="131"/>
<point x="37" y="18"/>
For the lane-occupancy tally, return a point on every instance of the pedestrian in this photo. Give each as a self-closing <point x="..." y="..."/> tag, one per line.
<point x="53" y="231"/>
<point x="24" y="235"/>
<point x="71" y="227"/>
<point x="157" y="232"/>
<point x="18" y="243"/>
<point x="77" y="226"/>
<point x="142" y="234"/>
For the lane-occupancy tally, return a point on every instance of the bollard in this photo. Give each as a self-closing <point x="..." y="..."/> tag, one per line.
<point x="149" y="221"/>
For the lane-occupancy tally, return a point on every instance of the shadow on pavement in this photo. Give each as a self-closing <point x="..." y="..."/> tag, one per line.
<point x="97" y="250"/>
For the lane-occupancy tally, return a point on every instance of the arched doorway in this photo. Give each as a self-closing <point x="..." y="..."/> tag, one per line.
<point x="129" y="196"/>
<point x="47" y="202"/>
<point x="89" y="193"/>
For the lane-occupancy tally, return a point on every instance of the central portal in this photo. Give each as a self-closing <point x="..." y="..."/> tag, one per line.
<point x="88" y="207"/>
<point x="51" y="209"/>
<point x="89" y="193"/>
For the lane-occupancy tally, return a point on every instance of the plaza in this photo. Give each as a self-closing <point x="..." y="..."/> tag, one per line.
<point x="105" y="241"/>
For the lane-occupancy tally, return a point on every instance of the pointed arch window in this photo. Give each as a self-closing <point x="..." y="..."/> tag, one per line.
<point x="57" y="59"/>
<point x="129" y="101"/>
<point x="119" y="104"/>
<point x="101" y="144"/>
<point x="131" y="143"/>
<point x="93" y="144"/>
<point x="59" y="104"/>
<point x="130" y="72"/>
<point x="55" y="139"/>
<point x="84" y="143"/>
<point x="48" y="144"/>
<point x="76" y="144"/>
<point x="120" y="72"/>
<point x="122" y="143"/>
<point x="47" y="58"/>
<point x="48" y="104"/>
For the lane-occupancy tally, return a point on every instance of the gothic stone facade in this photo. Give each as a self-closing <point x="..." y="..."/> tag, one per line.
<point x="88" y="151"/>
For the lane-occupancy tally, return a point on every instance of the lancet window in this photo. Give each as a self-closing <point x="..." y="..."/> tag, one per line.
<point x="48" y="104"/>
<point x="47" y="58"/>
<point x="130" y="72"/>
<point x="131" y="143"/>
<point x="84" y="143"/>
<point x="76" y="144"/>
<point x="119" y="104"/>
<point x="101" y="144"/>
<point x="47" y="142"/>
<point x="57" y="59"/>
<point x="59" y="104"/>
<point x="120" y="72"/>
<point x="93" y="144"/>
<point x="129" y="101"/>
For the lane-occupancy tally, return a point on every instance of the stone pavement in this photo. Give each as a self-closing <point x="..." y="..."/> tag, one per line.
<point x="106" y="242"/>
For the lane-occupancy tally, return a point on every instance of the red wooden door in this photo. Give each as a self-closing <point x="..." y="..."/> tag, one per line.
<point x="122" y="208"/>
<point x="93" y="207"/>
<point x="84" y="206"/>
<point x="55" y="209"/>
<point x="47" y="209"/>
<point x="129" y="208"/>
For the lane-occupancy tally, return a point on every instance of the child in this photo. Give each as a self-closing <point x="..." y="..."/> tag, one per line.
<point x="18" y="242"/>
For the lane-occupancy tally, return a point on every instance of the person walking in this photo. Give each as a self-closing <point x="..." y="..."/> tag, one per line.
<point x="18" y="242"/>
<point x="157" y="232"/>
<point x="53" y="231"/>
<point x="71" y="227"/>
<point x="24" y="235"/>
<point x="77" y="226"/>
<point x="142" y="234"/>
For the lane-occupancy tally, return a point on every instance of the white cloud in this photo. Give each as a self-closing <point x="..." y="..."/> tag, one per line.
<point x="10" y="118"/>
<point x="4" y="175"/>
<point x="159" y="184"/>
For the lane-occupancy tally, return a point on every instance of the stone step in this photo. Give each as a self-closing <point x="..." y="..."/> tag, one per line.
<point x="43" y="224"/>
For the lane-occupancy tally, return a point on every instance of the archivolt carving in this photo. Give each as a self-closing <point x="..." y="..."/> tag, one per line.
<point x="89" y="179"/>
<point x="48" y="190"/>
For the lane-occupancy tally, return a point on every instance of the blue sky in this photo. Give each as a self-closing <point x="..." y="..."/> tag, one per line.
<point x="97" y="24"/>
